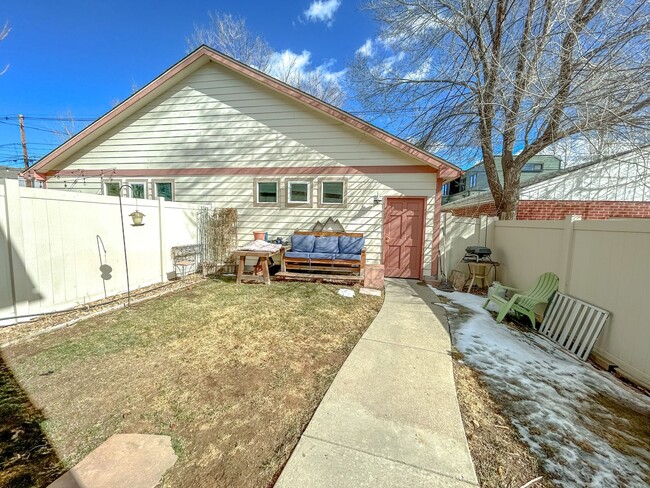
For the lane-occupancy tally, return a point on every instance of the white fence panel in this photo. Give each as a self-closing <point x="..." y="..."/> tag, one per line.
<point x="573" y="324"/>
<point x="59" y="249"/>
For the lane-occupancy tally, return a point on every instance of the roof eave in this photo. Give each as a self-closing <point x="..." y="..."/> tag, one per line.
<point x="446" y="170"/>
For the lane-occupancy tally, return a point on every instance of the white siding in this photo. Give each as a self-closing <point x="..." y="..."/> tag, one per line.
<point x="215" y="118"/>
<point x="625" y="180"/>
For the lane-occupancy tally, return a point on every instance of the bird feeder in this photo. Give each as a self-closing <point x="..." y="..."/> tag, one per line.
<point x="137" y="218"/>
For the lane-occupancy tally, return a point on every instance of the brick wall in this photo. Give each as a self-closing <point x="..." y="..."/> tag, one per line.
<point x="559" y="209"/>
<point x="475" y="211"/>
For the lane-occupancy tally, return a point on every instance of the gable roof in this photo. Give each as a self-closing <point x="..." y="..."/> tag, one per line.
<point x="200" y="57"/>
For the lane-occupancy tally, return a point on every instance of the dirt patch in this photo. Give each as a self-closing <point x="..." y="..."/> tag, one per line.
<point x="26" y="456"/>
<point x="231" y="372"/>
<point x="500" y="458"/>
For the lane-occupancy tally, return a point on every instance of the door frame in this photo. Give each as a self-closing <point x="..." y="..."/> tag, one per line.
<point x="424" y="228"/>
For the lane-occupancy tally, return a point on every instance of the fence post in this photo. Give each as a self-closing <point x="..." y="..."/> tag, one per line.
<point x="566" y="261"/>
<point x="163" y="244"/>
<point x="18" y="278"/>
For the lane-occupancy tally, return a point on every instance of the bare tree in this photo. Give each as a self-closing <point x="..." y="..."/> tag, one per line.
<point x="230" y="35"/>
<point x="511" y="77"/>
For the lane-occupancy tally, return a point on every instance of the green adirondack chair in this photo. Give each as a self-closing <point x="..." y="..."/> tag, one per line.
<point x="525" y="302"/>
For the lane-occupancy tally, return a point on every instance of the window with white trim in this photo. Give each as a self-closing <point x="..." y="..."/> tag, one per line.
<point x="298" y="192"/>
<point x="266" y="192"/>
<point x="473" y="180"/>
<point x="112" y="188"/>
<point x="164" y="189"/>
<point x="137" y="189"/>
<point x="332" y="192"/>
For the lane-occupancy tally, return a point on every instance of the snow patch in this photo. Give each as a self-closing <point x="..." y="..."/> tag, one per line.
<point x="556" y="402"/>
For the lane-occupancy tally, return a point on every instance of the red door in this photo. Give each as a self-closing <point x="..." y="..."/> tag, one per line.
<point x="403" y="236"/>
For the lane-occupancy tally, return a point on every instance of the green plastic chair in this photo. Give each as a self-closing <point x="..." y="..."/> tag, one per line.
<point x="525" y="302"/>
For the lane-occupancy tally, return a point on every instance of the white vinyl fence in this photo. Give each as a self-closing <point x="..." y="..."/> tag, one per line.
<point x="52" y="244"/>
<point x="602" y="262"/>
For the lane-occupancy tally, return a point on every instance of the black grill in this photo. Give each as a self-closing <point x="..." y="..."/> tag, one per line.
<point x="477" y="254"/>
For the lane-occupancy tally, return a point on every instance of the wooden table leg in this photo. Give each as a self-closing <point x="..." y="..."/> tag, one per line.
<point x="240" y="268"/>
<point x="265" y="271"/>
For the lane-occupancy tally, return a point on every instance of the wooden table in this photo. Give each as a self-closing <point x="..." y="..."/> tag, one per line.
<point x="481" y="270"/>
<point x="263" y="258"/>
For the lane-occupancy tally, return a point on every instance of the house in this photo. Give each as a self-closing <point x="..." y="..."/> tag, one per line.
<point x="212" y="130"/>
<point x="616" y="186"/>
<point x="9" y="172"/>
<point x="13" y="173"/>
<point x="474" y="180"/>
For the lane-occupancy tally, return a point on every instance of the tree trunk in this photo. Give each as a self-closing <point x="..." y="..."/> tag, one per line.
<point x="507" y="204"/>
<point x="507" y="209"/>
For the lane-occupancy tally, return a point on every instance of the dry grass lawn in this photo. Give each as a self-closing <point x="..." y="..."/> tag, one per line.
<point x="231" y="373"/>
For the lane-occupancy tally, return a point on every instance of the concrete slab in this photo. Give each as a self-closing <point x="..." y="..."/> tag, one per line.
<point x="393" y="401"/>
<point x="133" y="460"/>
<point x="391" y="416"/>
<point x="325" y="465"/>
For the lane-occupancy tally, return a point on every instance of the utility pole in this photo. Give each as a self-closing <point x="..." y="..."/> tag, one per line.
<point x="23" y="141"/>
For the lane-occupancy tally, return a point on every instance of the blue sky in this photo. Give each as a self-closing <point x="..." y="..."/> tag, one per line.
<point x="82" y="56"/>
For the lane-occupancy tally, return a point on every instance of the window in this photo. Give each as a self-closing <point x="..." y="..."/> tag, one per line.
<point x="266" y="192"/>
<point x="473" y="180"/>
<point x="298" y="193"/>
<point x="331" y="193"/>
<point x="533" y="168"/>
<point x="112" y="188"/>
<point x="164" y="189"/>
<point x="461" y="184"/>
<point x="445" y="189"/>
<point x="137" y="189"/>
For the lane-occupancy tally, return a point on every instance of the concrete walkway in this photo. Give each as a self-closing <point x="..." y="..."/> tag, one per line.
<point x="391" y="416"/>
<point x="133" y="460"/>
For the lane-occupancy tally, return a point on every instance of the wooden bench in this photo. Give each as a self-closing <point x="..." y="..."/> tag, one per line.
<point x="319" y="268"/>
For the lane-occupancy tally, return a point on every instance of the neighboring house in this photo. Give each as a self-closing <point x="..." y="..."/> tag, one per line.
<point x="10" y="173"/>
<point x="474" y="180"/>
<point x="212" y="130"/>
<point x="616" y="186"/>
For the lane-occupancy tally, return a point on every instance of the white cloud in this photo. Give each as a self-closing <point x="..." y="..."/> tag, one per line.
<point x="322" y="11"/>
<point x="367" y="50"/>
<point x="420" y="73"/>
<point x="288" y="61"/>
<point x="297" y="70"/>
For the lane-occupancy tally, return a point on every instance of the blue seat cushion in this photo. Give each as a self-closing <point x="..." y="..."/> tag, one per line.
<point x="300" y="243"/>
<point x="293" y="254"/>
<point x="321" y="255"/>
<point x="328" y="244"/>
<point x="351" y="245"/>
<point x="350" y="257"/>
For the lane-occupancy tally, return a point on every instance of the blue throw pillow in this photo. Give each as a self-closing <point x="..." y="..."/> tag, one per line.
<point x="328" y="244"/>
<point x="351" y="245"/>
<point x="300" y="243"/>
